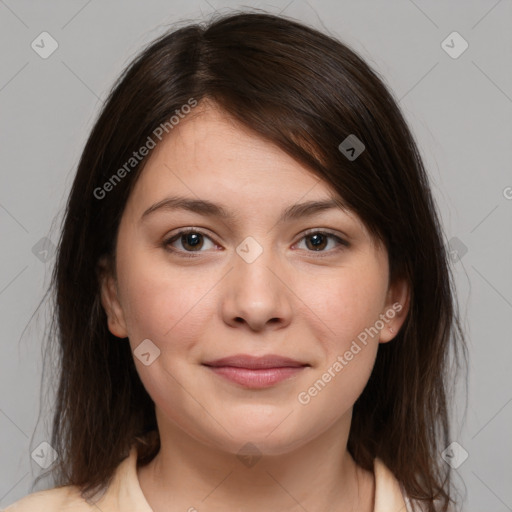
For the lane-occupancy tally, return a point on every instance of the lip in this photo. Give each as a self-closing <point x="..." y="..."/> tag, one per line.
<point x="256" y="362"/>
<point x="256" y="372"/>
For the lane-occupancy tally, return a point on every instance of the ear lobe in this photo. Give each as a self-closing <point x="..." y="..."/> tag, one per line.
<point x="396" y="309"/>
<point x="110" y="299"/>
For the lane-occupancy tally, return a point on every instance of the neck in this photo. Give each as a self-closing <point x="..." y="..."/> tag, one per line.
<point x="318" y="475"/>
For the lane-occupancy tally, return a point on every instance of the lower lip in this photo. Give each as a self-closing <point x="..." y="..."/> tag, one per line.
<point x="256" y="379"/>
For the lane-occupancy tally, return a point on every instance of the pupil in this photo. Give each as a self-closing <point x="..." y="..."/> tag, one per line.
<point x="192" y="239"/>
<point x="317" y="240"/>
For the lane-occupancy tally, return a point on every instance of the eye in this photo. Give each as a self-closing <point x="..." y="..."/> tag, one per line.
<point x="319" y="240"/>
<point x="191" y="240"/>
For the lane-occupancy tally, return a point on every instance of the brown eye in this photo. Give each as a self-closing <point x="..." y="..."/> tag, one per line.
<point x="317" y="241"/>
<point x="190" y="240"/>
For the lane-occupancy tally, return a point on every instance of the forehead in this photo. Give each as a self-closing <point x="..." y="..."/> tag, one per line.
<point x="208" y="153"/>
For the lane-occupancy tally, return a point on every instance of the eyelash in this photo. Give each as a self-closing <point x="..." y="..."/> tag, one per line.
<point x="194" y="254"/>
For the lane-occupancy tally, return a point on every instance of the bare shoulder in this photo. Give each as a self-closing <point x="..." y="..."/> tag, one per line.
<point x="57" y="499"/>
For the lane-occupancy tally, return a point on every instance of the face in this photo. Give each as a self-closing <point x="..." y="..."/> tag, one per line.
<point x="289" y="298"/>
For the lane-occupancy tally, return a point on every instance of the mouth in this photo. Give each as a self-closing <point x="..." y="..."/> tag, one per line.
<point x="256" y="372"/>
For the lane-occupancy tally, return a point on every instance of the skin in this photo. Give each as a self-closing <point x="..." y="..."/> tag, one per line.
<point x="290" y="301"/>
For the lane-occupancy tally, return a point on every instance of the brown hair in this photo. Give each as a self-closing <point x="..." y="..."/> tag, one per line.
<point x="306" y="92"/>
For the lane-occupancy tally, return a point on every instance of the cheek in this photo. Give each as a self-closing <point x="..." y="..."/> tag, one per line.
<point x="161" y="305"/>
<point x="335" y="388"/>
<point x="341" y="309"/>
<point x="346" y="305"/>
<point x="171" y="310"/>
<point x="348" y="308"/>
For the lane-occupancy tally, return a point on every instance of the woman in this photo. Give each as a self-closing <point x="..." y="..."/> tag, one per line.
<point x="253" y="300"/>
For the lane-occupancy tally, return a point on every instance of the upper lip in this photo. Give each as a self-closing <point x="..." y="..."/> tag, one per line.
<point x="256" y="362"/>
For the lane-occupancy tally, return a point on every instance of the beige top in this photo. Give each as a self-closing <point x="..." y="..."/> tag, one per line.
<point x="125" y="495"/>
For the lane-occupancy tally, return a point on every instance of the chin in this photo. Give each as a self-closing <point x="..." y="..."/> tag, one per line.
<point x="260" y="441"/>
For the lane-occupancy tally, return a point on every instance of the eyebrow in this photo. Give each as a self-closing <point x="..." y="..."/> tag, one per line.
<point x="208" y="208"/>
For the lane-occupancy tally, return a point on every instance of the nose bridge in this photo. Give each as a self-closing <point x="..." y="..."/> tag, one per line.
<point x="256" y="293"/>
<point x="252" y="269"/>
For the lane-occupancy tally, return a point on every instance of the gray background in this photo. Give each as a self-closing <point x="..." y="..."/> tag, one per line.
<point x="459" y="110"/>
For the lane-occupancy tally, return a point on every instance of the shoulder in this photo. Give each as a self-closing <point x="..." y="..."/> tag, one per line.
<point x="389" y="492"/>
<point x="123" y="493"/>
<point x="59" y="499"/>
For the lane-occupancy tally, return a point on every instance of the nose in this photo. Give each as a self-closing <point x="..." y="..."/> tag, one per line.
<point x="257" y="294"/>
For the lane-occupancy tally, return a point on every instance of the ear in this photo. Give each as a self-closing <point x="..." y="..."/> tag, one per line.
<point x="110" y="298"/>
<point x="395" y="309"/>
